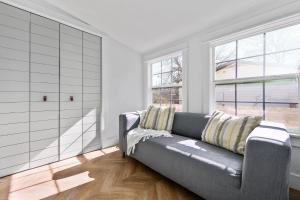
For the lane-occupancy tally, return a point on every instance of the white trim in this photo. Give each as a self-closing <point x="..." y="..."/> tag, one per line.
<point x="109" y="142"/>
<point x="166" y="56"/>
<point x="162" y="52"/>
<point x="295" y="140"/>
<point x="270" y="26"/>
<point x="295" y="135"/>
<point x="148" y="77"/>
<point x="295" y="181"/>
<point x="211" y="80"/>
<point x="166" y="86"/>
<point x="147" y="84"/>
<point x="185" y="71"/>
<point x="256" y="79"/>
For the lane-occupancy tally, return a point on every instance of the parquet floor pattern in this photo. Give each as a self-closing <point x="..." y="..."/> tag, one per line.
<point x="99" y="175"/>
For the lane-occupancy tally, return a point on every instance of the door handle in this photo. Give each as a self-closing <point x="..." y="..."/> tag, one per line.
<point x="44" y="98"/>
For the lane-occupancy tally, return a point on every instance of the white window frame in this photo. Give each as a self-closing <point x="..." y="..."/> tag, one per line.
<point x="148" y="77"/>
<point x="268" y="27"/>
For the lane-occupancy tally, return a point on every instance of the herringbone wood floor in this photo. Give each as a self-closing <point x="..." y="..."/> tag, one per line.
<point x="97" y="175"/>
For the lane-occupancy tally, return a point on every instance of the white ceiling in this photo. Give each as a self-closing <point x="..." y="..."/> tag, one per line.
<point x="146" y="24"/>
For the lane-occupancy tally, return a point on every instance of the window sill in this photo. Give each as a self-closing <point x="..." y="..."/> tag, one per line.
<point x="295" y="135"/>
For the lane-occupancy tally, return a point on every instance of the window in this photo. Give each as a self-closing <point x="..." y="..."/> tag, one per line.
<point x="167" y="82"/>
<point x="259" y="75"/>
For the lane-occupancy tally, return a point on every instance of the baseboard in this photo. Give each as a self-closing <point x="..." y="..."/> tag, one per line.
<point x="108" y="142"/>
<point x="295" y="181"/>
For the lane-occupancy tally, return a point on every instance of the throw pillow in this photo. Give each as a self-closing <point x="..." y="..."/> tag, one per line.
<point x="158" y="118"/>
<point x="229" y="132"/>
<point x="165" y="119"/>
<point x="149" y="120"/>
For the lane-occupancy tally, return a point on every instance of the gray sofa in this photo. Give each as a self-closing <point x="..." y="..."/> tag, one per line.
<point x="212" y="172"/>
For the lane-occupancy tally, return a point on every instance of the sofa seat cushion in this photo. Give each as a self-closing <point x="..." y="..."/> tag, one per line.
<point x="189" y="159"/>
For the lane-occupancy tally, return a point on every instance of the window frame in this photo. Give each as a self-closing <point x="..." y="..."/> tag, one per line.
<point x="148" y="81"/>
<point x="262" y="29"/>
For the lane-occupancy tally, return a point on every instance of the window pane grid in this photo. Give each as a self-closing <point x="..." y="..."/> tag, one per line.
<point x="271" y="104"/>
<point x="259" y="55"/>
<point x="229" y="69"/>
<point x="271" y="61"/>
<point x="167" y="84"/>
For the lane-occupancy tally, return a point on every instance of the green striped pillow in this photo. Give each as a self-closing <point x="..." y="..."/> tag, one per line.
<point x="158" y="118"/>
<point x="149" y="120"/>
<point x="229" y="132"/>
<point x="165" y="119"/>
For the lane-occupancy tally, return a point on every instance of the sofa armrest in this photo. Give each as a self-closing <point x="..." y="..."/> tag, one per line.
<point x="127" y="122"/>
<point x="266" y="163"/>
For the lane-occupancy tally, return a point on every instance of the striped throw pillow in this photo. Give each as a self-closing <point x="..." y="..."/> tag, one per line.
<point x="229" y="132"/>
<point x="149" y="120"/>
<point x="165" y="119"/>
<point x="158" y="118"/>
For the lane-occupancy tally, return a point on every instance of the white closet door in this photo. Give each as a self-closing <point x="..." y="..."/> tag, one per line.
<point x="44" y="92"/>
<point x="14" y="89"/>
<point x="91" y="92"/>
<point x="70" y="92"/>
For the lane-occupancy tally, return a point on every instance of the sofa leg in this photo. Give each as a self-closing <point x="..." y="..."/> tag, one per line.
<point x="123" y="155"/>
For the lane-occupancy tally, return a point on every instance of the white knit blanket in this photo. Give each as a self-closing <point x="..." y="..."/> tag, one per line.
<point x="139" y="134"/>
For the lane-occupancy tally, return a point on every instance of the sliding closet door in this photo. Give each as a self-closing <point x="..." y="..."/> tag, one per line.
<point x="91" y="92"/>
<point x="14" y="90"/>
<point x="70" y="92"/>
<point x="44" y="91"/>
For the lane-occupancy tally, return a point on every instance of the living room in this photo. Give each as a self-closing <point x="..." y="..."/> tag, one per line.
<point x="149" y="100"/>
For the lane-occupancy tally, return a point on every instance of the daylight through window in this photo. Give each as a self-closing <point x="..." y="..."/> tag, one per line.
<point x="167" y="82"/>
<point x="259" y="75"/>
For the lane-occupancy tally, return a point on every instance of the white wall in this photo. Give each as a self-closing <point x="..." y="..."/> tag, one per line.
<point x="198" y="67"/>
<point x="122" y="87"/>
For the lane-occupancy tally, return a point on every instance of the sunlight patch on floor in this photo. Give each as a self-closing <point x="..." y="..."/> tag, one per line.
<point x="30" y="180"/>
<point x="110" y="150"/>
<point x="73" y="181"/>
<point x="42" y="189"/>
<point x="46" y="181"/>
<point x="30" y="172"/>
<point x="35" y="192"/>
<point x="65" y="164"/>
<point x="93" y="155"/>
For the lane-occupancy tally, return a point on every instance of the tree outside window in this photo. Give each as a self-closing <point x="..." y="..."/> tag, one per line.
<point x="167" y="82"/>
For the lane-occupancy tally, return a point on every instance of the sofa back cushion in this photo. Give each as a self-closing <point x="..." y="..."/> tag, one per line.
<point x="157" y="118"/>
<point x="189" y="124"/>
<point x="165" y="119"/>
<point x="149" y="118"/>
<point x="229" y="132"/>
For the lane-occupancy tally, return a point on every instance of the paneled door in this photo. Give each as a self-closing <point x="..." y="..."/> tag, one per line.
<point x="44" y="91"/>
<point x="50" y="91"/>
<point x="14" y="89"/>
<point x="70" y="92"/>
<point x="91" y="92"/>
